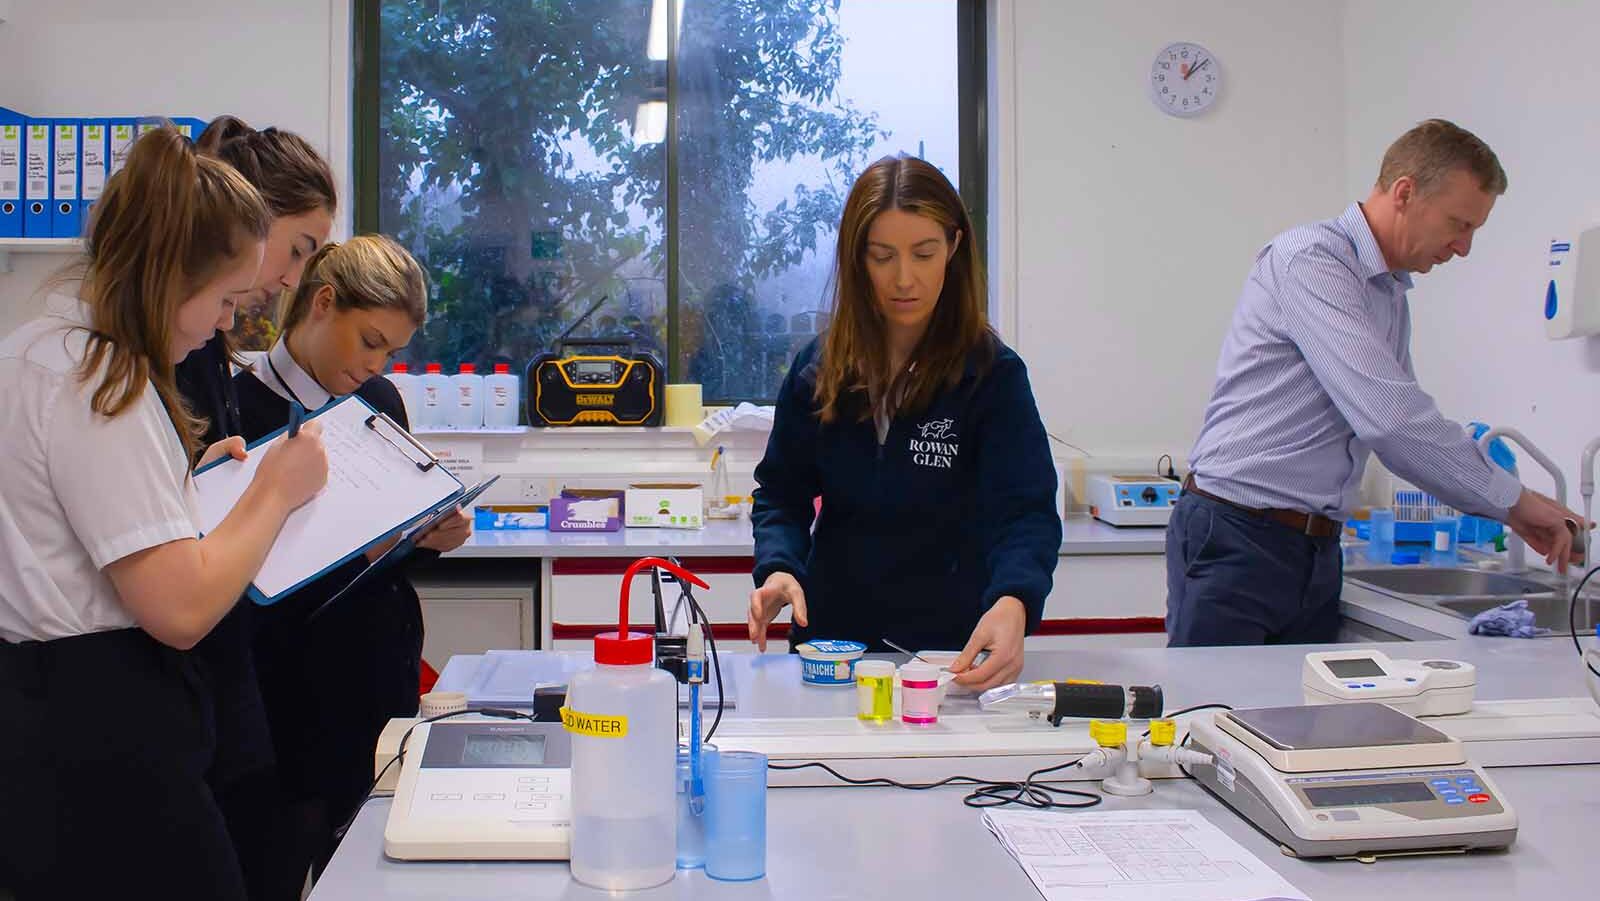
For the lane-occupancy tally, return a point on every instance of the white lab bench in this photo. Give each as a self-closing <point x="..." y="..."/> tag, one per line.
<point x="554" y="590"/>
<point x="828" y="843"/>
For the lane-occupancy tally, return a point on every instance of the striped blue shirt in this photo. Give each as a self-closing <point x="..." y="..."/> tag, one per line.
<point x="1316" y="372"/>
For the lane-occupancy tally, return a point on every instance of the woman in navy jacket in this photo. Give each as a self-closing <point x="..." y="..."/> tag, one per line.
<point x="918" y="430"/>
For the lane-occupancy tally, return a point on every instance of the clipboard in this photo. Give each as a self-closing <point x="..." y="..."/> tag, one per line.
<point x="381" y="480"/>
<point x="408" y="543"/>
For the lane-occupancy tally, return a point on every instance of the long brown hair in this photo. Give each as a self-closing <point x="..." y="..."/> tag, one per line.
<point x="366" y="272"/>
<point x="291" y="176"/>
<point x="853" y="368"/>
<point x="167" y="223"/>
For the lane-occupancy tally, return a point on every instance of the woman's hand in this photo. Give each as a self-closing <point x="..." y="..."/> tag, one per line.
<point x="448" y="534"/>
<point x="779" y="591"/>
<point x="1000" y="631"/>
<point x="232" y="446"/>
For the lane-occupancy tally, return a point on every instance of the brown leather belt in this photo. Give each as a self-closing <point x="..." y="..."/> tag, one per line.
<point x="1309" y="524"/>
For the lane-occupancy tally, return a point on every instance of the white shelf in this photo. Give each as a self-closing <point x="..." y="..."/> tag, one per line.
<point x="511" y="431"/>
<point x="9" y="246"/>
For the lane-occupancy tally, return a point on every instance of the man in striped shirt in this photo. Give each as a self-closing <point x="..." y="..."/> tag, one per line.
<point x="1315" y="373"/>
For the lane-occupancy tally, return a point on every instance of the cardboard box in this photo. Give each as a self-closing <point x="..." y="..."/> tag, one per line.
<point x="510" y="517"/>
<point x="587" y="510"/>
<point x="666" y="505"/>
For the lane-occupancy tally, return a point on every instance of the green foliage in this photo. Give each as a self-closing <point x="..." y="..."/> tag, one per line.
<point x="507" y="164"/>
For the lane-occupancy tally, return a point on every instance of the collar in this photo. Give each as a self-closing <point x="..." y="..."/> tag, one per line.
<point x="296" y="384"/>
<point x="1353" y="222"/>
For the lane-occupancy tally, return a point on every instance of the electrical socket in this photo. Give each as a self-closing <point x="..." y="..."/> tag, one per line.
<point x="533" y="491"/>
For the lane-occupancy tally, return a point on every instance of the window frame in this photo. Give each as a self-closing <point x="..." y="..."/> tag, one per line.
<point x="972" y="90"/>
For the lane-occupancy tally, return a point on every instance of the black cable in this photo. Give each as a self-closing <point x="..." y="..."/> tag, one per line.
<point x="1572" y="619"/>
<point x="498" y="712"/>
<point x="1026" y="793"/>
<point x="716" y="659"/>
<point x="1171" y="472"/>
<point x="1195" y="709"/>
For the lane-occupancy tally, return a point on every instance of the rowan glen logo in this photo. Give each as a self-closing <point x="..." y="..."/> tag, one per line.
<point x="937" y="448"/>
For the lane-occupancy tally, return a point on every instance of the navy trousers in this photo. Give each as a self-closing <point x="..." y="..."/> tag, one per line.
<point x="1235" y="578"/>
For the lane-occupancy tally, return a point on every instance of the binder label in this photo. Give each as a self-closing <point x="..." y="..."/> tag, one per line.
<point x="38" y="162"/>
<point x="121" y="144"/>
<point x="10" y="162"/>
<point x="94" y="161"/>
<point x="66" y="162"/>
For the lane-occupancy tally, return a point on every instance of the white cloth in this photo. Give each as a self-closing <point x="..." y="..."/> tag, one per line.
<point x="78" y="491"/>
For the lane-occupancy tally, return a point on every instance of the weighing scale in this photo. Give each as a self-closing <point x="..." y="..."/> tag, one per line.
<point x="1350" y="780"/>
<point x="483" y="789"/>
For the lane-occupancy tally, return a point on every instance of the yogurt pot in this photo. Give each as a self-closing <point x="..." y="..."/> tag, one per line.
<point x="825" y="661"/>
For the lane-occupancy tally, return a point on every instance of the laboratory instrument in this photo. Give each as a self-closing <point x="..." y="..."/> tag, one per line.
<point x="1074" y="698"/>
<point x="1126" y="500"/>
<point x="1415" y="687"/>
<point x="1350" y="780"/>
<point x="477" y="788"/>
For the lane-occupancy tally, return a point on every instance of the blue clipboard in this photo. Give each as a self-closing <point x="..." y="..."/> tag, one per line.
<point x="402" y="442"/>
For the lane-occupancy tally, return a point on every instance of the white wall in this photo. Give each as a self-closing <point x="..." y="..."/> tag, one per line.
<point x="283" y="63"/>
<point x="1132" y="230"/>
<point x="1521" y="78"/>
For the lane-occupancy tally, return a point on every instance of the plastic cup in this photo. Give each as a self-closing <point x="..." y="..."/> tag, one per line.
<point x="736" y="815"/>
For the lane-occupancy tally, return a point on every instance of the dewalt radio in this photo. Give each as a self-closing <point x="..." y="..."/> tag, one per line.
<point x="596" y="382"/>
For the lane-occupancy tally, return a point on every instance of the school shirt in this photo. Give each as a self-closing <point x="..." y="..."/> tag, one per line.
<point x="922" y="531"/>
<point x="331" y="684"/>
<point x="78" y="491"/>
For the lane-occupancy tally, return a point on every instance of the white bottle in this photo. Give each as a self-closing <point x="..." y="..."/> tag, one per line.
<point x="466" y="399"/>
<point x="623" y="716"/>
<point x="409" y="387"/>
<point x="434" y="389"/>
<point x="501" y="398"/>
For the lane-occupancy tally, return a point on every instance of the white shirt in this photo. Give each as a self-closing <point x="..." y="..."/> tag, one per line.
<point x="279" y="372"/>
<point x="78" y="491"/>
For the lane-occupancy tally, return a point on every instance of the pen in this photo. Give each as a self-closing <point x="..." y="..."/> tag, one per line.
<point x="297" y="413"/>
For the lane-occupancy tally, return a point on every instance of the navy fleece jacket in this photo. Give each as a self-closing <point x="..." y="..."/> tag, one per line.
<point x="919" y="536"/>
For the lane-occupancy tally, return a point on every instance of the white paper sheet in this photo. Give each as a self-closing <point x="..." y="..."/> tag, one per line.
<point x="374" y="488"/>
<point x="1136" y="855"/>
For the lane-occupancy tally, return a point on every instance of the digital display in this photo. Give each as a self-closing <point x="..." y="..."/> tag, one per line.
<point x="502" y="749"/>
<point x="1355" y="668"/>
<point x="590" y="367"/>
<point x="1357" y="795"/>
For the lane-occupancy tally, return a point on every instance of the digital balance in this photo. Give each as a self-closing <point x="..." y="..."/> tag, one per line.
<point x="482" y="789"/>
<point x="1350" y="780"/>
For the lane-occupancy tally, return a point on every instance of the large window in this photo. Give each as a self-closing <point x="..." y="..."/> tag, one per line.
<point x="669" y="173"/>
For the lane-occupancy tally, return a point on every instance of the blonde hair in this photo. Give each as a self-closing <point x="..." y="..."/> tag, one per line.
<point x="854" y="364"/>
<point x="366" y="272"/>
<point x="167" y="224"/>
<point x="1434" y="149"/>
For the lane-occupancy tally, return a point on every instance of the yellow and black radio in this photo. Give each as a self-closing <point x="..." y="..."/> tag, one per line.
<point x="596" y="382"/>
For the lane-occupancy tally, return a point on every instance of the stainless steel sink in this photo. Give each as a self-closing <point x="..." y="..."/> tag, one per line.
<point x="1452" y="583"/>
